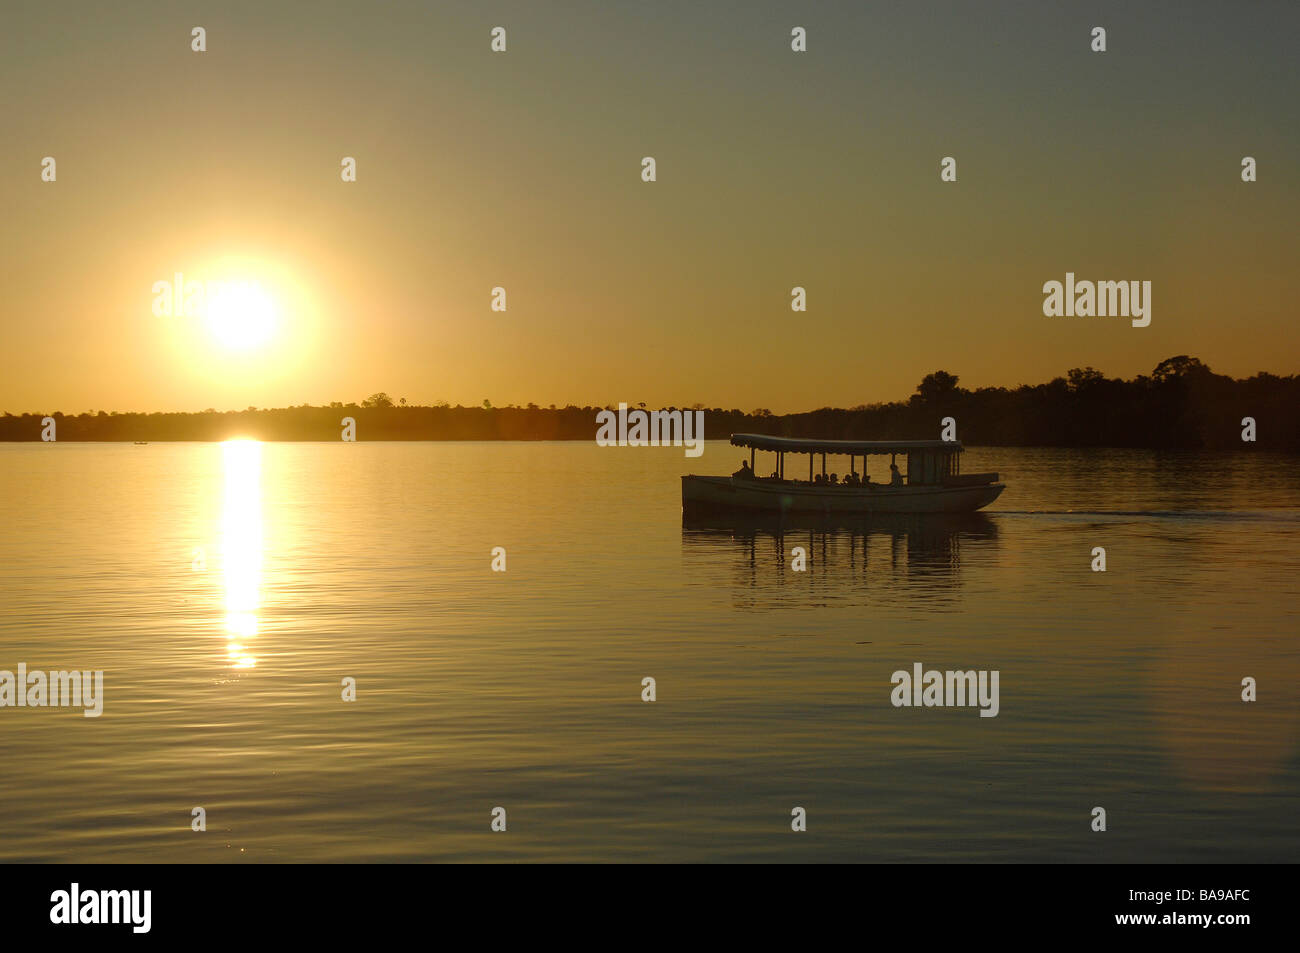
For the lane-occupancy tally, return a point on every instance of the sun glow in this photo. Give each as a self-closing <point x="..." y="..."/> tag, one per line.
<point x="249" y="330"/>
<point x="241" y="316"/>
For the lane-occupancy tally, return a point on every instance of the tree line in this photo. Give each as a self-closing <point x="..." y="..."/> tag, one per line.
<point x="1182" y="404"/>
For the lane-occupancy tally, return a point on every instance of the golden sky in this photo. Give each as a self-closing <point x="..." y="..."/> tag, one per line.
<point x="522" y="170"/>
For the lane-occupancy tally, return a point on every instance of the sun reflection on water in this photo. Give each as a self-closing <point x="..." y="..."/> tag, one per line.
<point x="241" y="539"/>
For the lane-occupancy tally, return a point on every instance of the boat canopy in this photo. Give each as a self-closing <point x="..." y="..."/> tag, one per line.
<point x="761" y="441"/>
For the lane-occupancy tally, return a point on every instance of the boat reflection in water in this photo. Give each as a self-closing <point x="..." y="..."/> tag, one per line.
<point x="909" y="560"/>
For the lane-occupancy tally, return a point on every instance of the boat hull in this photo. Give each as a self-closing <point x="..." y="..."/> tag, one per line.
<point x="706" y="494"/>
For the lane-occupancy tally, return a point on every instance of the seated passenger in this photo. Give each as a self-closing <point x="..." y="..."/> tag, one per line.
<point x="744" y="473"/>
<point x="895" y="477"/>
<point x="834" y="479"/>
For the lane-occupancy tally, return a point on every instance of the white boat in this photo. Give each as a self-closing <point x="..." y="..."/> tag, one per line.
<point x="933" y="483"/>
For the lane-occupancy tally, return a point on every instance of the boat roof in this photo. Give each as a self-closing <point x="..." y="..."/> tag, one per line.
<point x="762" y="441"/>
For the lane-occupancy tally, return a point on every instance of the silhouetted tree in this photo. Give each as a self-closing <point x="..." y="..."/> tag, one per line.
<point x="1181" y="367"/>
<point x="937" y="387"/>
<point x="1082" y="378"/>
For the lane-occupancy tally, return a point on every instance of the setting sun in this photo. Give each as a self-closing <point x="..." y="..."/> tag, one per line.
<point x="241" y="316"/>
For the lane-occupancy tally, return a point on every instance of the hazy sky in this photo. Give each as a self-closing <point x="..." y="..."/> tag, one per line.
<point x="523" y="170"/>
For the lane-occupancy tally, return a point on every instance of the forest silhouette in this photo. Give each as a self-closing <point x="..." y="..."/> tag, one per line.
<point x="1182" y="404"/>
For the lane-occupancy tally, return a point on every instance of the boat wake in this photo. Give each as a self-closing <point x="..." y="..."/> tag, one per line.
<point x="1252" y="516"/>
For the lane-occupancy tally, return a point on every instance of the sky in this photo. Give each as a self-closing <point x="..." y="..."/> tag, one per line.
<point x="522" y="170"/>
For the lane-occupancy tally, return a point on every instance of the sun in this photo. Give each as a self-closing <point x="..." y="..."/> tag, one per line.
<point x="241" y="316"/>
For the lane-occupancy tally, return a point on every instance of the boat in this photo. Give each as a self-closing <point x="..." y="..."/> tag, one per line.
<point x="933" y="483"/>
<point x="142" y="443"/>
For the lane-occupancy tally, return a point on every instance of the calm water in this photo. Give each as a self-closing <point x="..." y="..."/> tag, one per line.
<point x="522" y="689"/>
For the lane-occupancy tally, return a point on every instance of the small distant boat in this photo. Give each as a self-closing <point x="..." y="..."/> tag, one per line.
<point x="934" y="482"/>
<point x="142" y="443"/>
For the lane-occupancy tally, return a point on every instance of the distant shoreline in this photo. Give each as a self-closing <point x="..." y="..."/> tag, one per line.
<point x="1182" y="405"/>
<point x="1246" y="449"/>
